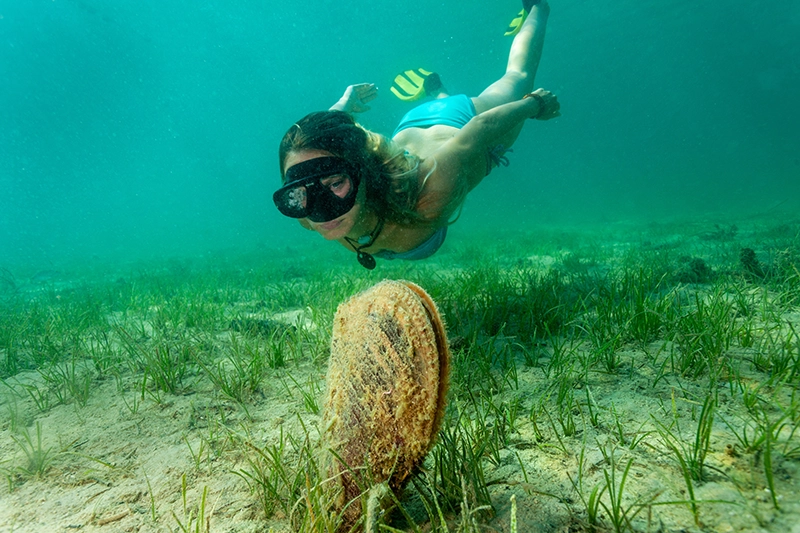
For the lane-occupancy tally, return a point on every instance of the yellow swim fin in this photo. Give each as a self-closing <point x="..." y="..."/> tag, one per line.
<point x="516" y="24"/>
<point x="410" y="85"/>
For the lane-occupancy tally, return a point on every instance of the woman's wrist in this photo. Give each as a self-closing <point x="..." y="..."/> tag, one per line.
<point x="539" y="101"/>
<point x="341" y="105"/>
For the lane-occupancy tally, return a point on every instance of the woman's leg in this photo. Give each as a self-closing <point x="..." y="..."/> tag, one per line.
<point x="523" y="61"/>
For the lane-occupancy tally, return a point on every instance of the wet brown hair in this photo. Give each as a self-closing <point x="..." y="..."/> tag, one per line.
<point x="387" y="171"/>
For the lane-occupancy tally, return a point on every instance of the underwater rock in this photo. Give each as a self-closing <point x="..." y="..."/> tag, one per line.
<point x="693" y="270"/>
<point x="750" y="264"/>
<point x="386" y="387"/>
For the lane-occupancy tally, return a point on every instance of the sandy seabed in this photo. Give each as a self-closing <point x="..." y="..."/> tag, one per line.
<point x="130" y="458"/>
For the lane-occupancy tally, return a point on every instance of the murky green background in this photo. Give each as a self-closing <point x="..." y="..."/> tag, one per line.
<point x="149" y="129"/>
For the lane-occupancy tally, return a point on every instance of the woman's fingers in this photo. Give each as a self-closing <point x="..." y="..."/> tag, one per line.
<point x="366" y="92"/>
<point x="551" y="105"/>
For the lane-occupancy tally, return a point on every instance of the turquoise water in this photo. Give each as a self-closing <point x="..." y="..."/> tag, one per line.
<point x="149" y="129"/>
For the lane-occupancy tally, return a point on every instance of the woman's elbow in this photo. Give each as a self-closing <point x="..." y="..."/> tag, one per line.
<point x="485" y="122"/>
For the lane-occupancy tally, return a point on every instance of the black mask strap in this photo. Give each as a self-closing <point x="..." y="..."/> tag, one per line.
<point x="319" y="167"/>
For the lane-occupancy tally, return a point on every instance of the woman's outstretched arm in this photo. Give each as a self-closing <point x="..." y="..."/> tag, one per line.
<point x="461" y="163"/>
<point x="502" y="124"/>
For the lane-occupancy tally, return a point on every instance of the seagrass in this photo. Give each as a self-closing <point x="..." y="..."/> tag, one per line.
<point x="387" y="381"/>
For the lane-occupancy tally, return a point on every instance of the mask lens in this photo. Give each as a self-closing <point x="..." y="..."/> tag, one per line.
<point x="292" y="201"/>
<point x="331" y="198"/>
<point x="341" y="185"/>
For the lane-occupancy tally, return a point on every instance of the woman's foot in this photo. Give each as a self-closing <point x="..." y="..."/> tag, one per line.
<point x="433" y="85"/>
<point x="543" y="8"/>
<point x="527" y="5"/>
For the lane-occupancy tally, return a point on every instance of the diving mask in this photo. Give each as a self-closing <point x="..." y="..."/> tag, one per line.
<point x="319" y="189"/>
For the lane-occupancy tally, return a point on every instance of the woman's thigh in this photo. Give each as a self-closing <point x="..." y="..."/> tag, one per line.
<point x="507" y="89"/>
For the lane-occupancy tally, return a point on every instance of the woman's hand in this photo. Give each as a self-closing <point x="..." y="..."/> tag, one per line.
<point x="548" y="104"/>
<point x="355" y="98"/>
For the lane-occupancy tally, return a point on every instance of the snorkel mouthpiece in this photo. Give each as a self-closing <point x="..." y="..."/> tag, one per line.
<point x="304" y="194"/>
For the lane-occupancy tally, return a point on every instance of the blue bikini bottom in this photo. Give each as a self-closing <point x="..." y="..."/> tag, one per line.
<point x="453" y="111"/>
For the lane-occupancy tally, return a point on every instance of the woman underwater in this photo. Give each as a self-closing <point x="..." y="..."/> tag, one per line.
<point x="394" y="198"/>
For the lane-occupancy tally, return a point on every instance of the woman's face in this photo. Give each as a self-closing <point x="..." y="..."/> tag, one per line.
<point x="339" y="227"/>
